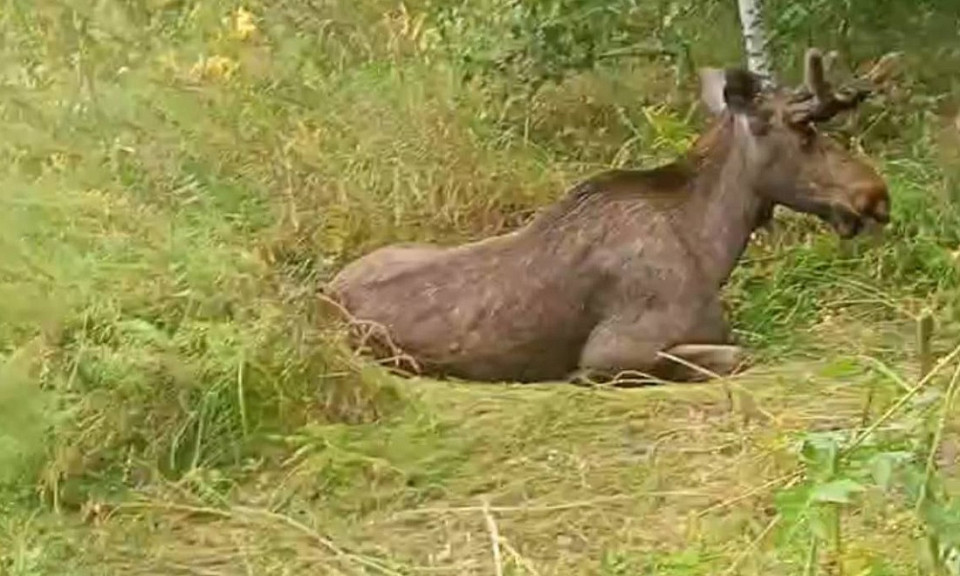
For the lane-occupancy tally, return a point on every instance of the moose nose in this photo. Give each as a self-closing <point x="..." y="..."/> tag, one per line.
<point x="873" y="201"/>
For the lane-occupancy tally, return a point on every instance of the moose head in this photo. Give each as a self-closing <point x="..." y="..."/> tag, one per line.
<point x="790" y="161"/>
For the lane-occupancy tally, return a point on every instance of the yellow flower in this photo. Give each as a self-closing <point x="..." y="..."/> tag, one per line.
<point x="57" y="161"/>
<point x="243" y="24"/>
<point x="214" y="67"/>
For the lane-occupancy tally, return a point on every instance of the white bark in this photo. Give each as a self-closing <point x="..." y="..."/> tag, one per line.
<point x="755" y="41"/>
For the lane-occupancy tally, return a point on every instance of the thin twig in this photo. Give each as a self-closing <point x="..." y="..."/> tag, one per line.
<point x="355" y="324"/>
<point x="938" y="435"/>
<point x="724" y="382"/>
<point x="549" y="507"/>
<point x="527" y="565"/>
<point x="924" y="341"/>
<point x="810" y="564"/>
<point x="887" y="371"/>
<point x="752" y="546"/>
<point x="494" y="538"/>
<point x="901" y="402"/>
<point x="692" y="365"/>
<point x="751" y="492"/>
<point x="648" y="51"/>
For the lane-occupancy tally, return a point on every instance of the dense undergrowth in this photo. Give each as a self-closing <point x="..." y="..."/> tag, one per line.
<point x="180" y="176"/>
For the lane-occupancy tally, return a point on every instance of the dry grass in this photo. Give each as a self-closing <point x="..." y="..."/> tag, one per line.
<point x="674" y="480"/>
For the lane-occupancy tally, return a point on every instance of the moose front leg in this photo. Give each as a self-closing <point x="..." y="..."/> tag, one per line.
<point x="708" y="349"/>
<point x="640" y="351"/>
<point x="680" y="363"/>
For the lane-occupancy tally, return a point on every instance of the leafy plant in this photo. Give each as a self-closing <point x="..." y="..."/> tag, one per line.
<point x="537" y="42"/>
<point x="840" y="467"/>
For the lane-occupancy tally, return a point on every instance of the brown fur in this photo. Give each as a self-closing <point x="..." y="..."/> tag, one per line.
<point x="628" y="265"/>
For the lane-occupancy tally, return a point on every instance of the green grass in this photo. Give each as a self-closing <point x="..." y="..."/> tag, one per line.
<point x="173" y="400"/>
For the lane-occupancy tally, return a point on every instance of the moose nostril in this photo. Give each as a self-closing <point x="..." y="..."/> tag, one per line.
<point x="881" y="211"/>
<point x="872" y="200"/>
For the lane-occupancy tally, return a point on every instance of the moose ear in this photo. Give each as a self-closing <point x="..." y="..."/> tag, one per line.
<point x="712" y="82"/>
<point x="733" y="88"/>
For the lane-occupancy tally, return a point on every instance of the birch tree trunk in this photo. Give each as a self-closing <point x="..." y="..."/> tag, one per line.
<point x="755" y="41"/>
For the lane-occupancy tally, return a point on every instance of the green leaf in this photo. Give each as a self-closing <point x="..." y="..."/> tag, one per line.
<point x="882" y="472"/>
<point x="820" y="452"/>
<point x="838" y="491"/>
<point x="882" y="465"/>
<point x="793" y="502"/>
<point x="841" y="368"/>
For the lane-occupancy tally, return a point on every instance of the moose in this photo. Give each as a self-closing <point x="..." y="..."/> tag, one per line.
<point x="623" y="274"/>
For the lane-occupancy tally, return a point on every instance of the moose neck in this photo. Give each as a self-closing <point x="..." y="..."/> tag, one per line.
<point x="724" y="209"/>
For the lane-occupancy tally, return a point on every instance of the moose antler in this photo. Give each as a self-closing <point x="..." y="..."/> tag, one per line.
<point x="817" y="101"/>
